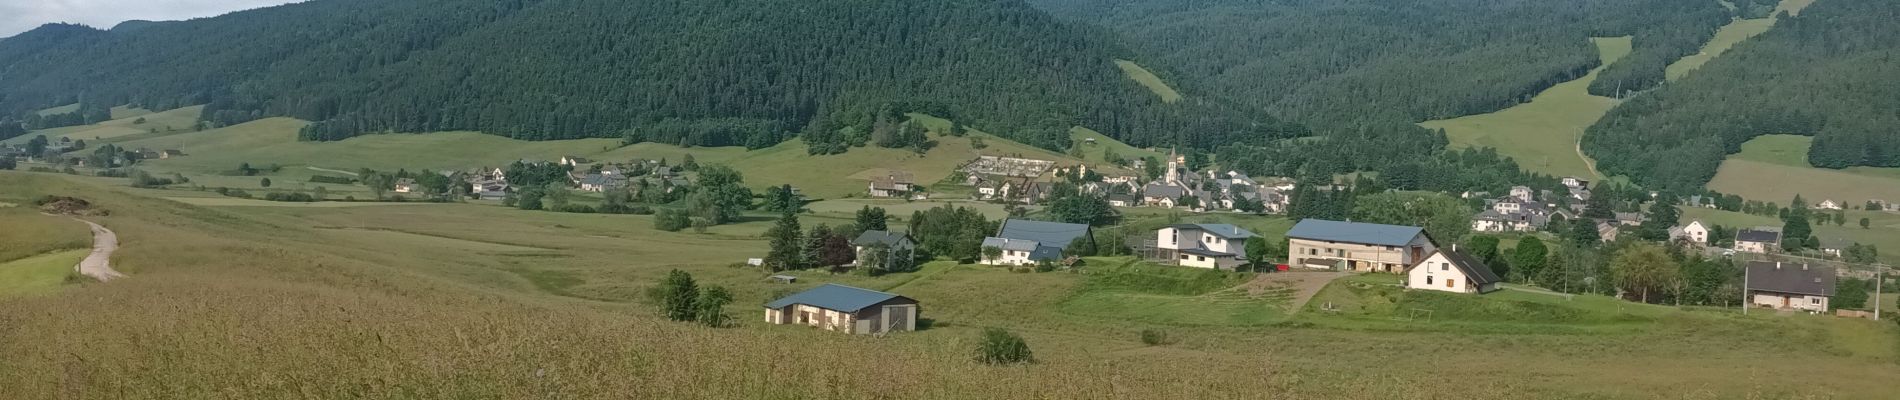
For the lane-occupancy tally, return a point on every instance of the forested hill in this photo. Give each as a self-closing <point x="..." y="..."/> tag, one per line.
<point x="1833" y="72"/>
<point x="1343" y="63"/>
<point x="736" y="72"/>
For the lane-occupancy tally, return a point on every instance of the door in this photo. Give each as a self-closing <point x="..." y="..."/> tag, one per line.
<point x="898" y="317"/>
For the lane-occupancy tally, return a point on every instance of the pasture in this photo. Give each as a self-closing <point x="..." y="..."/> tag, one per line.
<point x="1775" y="168"/>
<point x="126" y="125"/>
<point x="1883" y="231"/>
<point x="1148" y="80"/>
<point x="1726" y="37"/>
<point x="465" y="300"/>
<point x="1542" y="135"/>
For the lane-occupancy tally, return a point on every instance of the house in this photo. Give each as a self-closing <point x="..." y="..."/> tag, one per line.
<point x="601" y="182"/>
<point x="1608" y="231"/>
<point x="574" y="161"/>
<point x="1629" y="218"/>
<point x="894" y="245"/>
<point x="1123" y="200"/>
<point x="1157" y="194"/>
<point x="1493" y="221"/>
<point x="1027" y="242"/>
<point x="664" y="172"/>
<point x="1523" y="194"/>
<point x="1576" y="183"/>
<point x="1357" y="246"/>
<point x="835" y="307"/>
<point x="894" y="184"/>
<point x="407" y="185"/>
<point x="162" y="154"/>
<point x="1829" y="204"/>
<point x="1695" y="232"/>
<point x="1217" y="246"/>
<point x="1834" y="246"/>
<point x="1789" y="286"/>
<point x="1757" y="241"/>
<point x="1452" y="271"/>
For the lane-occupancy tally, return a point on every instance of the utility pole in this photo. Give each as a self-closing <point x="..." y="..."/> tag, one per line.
<point x="1745" y="289"/>
<point x="1880" y="276"/>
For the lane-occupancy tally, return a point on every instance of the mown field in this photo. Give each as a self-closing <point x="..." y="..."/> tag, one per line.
<point x="1542" y="134"/>
<point x="1775" y="168"/>
<point x="1725" y="38"/>
<point x="125" y="125"/>
<point x="1148" y="80"/>
<point x="477" y="301"/>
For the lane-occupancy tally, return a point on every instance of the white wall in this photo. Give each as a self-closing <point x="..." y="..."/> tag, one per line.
<point x="1792" y="301"/>
<point x="1435" y="272"/>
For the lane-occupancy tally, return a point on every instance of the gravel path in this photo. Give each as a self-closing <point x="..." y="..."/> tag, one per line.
<point x="98" y="265"/>
<point x="1305" y="284"/>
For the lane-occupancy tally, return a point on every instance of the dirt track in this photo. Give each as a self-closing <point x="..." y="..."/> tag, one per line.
<point x="98" y="265"/>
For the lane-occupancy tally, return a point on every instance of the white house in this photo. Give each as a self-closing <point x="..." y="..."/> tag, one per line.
<point x="1695" y="232"/>
<point x="406" y="185"/>
<point x="1218" y="246"/>
<point x="1576" y="183"/>
<point x="1523" y="193"/>
<point x="1028" y="242"/>
<point x="1451" y="271"/>
<point x="1757" y="241"/>
<point x="1793" y="286"/>
<point x="1828" y="204"/>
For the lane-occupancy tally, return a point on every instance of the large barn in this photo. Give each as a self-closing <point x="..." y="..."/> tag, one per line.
<point x="845" y="309"/>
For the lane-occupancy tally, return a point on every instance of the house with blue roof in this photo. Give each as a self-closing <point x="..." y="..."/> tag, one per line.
<point x="1028" y="242"/>
<point x="1357" y="246"/>
<point x="835" y="307"/>
<point x="1218" y="246"/>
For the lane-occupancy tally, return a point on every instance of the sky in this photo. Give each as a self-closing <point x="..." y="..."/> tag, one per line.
<point x="22" y="15"/>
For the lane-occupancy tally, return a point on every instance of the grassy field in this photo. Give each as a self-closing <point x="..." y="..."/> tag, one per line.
<point x="1783" y="161"/>
<point x="65" y="109"/>
<point x="124" y="126"/>
<point x="1095" y="152"/>
<point x="38" y="274"/>
<point x="29" y="233"/>
<point x="1542" y="134"/>
<point x="477" y="301"/>
<point x="1725" y="38"/>
<point x="1148" y="80"/>
<point x="273" y="141"/>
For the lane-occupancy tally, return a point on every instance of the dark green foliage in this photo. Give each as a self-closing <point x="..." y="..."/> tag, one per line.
<point x="331" y="179"/>
<point x="1154" y="337"/>
<point x="999" y="347"/>
<point x="1827" y="73"/>
<point x="1078" y="208"/>
<point x="7" y="163"/>
<point x="671" y="220"/>
<point x="1662" y="215"/>
<point x="872" y="219"/>
<point x="263" y="182"/>
<point x="1527" y="259"/>
<point x="536" y="174"/>
<point x="1795" y="229"/>
<point x="779" y="199"/>
<point x="1444" y="218"/>
<point x="678" y="296"/>
<point x="1485" y="249"/>
<point x="786" y="244"/>
<point x="951" y="232"/>
<point x="711" y="306"/>
<point x="742" y="72"/>
<point x="720" y="195"/>
<point x="290" y="197"/>
<point x="1850" y="293"/>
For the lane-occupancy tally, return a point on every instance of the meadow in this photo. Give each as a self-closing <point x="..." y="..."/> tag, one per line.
<point x="1148" y="80"/>
<point x="126" y="125"/>
<point x="1725" y="38"/>
<point x="1542" y="135"/>
<point x="1783" y="161"/>
<point x="468" y="300"/>
<point x="1883" y="229"/>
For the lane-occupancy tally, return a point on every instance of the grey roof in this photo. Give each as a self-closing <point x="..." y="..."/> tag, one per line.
<point x="1053" y="234"/>
<point x="1751" y="235"/>
<point x="1226" y="231"/>
<point x="880" y="237"/>
<point x="1354" y="232"/>
<point x="1474" y="270"/>
<point x="1037" y="251"/>
<point x="833" y="296"/>
<point x="1793" y="278"/>
<point x="1162" y="190"/>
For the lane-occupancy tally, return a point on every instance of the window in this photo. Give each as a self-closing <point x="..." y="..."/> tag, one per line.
<point x="1183" y="257"/>
<point x="1814" y="300"/>
<point x="1428" y="279"/>
<point x="1200" y="258"/>
<point x="1451" y="283"/>
<point x="1444" y="266"/>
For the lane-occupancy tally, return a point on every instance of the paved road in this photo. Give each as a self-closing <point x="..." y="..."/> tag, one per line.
<point x="98" y="265"/>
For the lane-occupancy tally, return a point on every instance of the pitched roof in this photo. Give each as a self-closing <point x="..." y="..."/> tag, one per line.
<point x="1053" y="234"/>
<point x="833" y="296"/>
<point x="1751" y="235"/>
<point x="1793" y="278"/>
<point x="1475" y="271"/>
<point x="1354" y="232"/>
<point x="1037" y="251"/>
<point x="1225" y="231"/>
<point x="1162" y="190"/>
<point x="880" y="237"/>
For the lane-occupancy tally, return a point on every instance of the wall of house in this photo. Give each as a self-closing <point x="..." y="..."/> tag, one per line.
<point x="1696" y="233"/>
<point x="1751" y="247"/>
<point x="1364" y="257"/>
<point x="820" y="318"/>
<point x="1789" y="301"/>
<point x="1011" y="257"/>
<point x="1437" y="273"/>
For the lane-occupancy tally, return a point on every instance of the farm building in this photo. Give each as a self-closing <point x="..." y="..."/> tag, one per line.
<point x="846" y="309"/>
<point x="1789" y="286"/>
<point x="1218" y="246"/>
<point x="1757" y="241"/>
<point x="1026" y="242"/>
<point x="895" y="184"/>
<point x="1356" y="246"/>
<point x="1452" y="271"/>
<point x="406" y="185"/>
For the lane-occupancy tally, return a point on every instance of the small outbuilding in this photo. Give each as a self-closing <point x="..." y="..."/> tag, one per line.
<point x="1452" y="271"/>
<point x="846" y="309"/>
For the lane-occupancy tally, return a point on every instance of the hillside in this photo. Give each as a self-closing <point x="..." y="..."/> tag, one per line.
<point x="1827" y="73"/>
<point x="747" y="72"/>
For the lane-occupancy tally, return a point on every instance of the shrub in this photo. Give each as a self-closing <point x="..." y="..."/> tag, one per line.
<point x="331" y="179"/>
<point x="998" y="347"/>
<point x="576" y="208"/>
<point x="290" y="197"/>
<point x="1154" y="337"/>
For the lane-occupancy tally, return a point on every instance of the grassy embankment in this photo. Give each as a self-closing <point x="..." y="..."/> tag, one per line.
<point x="1542" y="134"/>
<point x="482" y="301"/>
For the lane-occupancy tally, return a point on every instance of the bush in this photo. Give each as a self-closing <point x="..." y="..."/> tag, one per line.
<point x="290" y="197"/>
<point x="229" y="192"/>
<point x="998" y="347"/>
<point x="1153" y="337"/>
<point x="576" y="208"/>
<point x="331" y="179"/>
